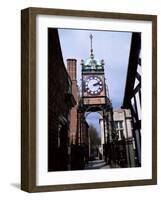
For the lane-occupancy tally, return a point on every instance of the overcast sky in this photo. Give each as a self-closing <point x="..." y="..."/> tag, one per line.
<point x="113" y="47"/>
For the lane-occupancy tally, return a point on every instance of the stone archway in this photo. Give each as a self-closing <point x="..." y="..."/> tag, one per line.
<point x="95" y="134"/>
<point x="106" y="111"/>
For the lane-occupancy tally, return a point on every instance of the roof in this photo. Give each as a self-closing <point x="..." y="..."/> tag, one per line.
<point x="92" y="64"/>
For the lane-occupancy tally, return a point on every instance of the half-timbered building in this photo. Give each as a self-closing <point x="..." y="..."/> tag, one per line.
<point x="132" y="95"/>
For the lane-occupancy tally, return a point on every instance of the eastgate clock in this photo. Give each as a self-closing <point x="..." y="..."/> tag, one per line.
<point x="93" y="85"/>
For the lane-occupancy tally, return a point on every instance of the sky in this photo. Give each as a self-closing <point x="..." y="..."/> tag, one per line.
<point x="111" y="46"/>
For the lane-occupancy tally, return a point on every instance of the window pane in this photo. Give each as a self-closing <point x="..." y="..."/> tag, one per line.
<point x="120" y="123"/>
<point x="116" y="124"/>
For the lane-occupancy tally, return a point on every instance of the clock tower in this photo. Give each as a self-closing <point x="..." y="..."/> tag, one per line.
<point x="93" y="80"/>
<point x="95" y="98"/>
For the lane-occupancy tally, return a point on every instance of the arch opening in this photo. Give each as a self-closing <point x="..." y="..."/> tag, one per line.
<point x="95" y="134"/>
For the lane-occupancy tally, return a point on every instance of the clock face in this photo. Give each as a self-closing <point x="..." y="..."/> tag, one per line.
<point x="93" y="85"/>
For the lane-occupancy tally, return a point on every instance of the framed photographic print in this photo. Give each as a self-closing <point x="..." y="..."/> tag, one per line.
<point x="89" y="99"/>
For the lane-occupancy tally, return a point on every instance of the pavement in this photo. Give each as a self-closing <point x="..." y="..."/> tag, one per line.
<point x="97" y="164"/>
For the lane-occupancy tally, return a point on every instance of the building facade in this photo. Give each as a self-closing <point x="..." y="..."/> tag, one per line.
<point x="132" y="94"/>
<point x="125" y="148"/>
<point x="123" y="126"/>
<point x="60" y="102"/>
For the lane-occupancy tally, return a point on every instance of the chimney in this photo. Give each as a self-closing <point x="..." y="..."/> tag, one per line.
<point x="71" y="68"/>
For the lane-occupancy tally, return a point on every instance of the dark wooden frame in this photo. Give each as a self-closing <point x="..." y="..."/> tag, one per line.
<point x="28" y="98"/>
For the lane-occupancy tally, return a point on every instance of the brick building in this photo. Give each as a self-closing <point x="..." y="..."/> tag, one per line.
<point x="72" y="71"/>
<point x="60" y="102"/>
<point x="78" y="142"/>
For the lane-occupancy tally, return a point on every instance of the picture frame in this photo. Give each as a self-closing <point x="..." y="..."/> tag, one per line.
<point x="29" y="96"/>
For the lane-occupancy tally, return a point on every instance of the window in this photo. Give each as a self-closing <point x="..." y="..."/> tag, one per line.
<point x="119" y="128"/>
<point x="118" y="124"/>
<point x="121" y="134"/>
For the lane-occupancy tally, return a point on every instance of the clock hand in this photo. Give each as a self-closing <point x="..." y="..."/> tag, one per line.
<point x="96" y="84"/>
